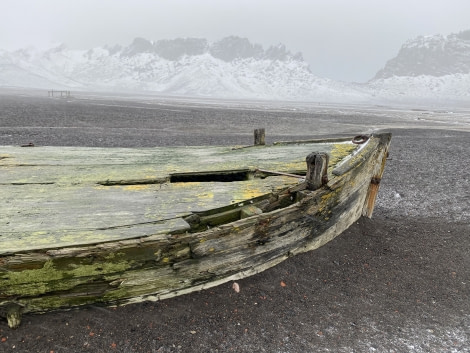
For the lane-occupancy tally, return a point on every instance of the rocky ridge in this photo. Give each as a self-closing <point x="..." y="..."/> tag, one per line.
<point x="433" y="68"/>
<point x="436" y="56"/>
<point x="232" y="67"/>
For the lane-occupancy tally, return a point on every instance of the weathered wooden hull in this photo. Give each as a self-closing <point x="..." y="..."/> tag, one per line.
<point x="267" y="230"/>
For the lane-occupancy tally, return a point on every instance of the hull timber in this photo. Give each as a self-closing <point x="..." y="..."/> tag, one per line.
<point x="104" y="226"/>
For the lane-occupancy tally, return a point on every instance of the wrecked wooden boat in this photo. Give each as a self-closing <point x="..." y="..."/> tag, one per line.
<point x="114" y="226"/>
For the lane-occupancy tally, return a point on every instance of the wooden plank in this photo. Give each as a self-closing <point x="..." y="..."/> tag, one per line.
<point x="79" y="165"/>
<point x="57" y="238"/>
<point x="53" y="216"/>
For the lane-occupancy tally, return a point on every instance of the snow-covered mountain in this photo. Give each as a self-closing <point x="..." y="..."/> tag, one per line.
<point x="435" y="67"/>
<point x="230" y="68"/>
<point x="436" y="55"/>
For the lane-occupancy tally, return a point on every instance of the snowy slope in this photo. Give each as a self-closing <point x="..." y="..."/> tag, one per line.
<point x="427" y="68"/>
<point x="439" y="89"/>
<point x="436" y="55"/>
<point x="229" y="68"/>
<point x="435" y="68"/>
<point x="34" y="69"/>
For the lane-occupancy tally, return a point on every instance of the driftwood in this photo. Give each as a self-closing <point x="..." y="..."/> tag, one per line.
<point x="117" y="226"/>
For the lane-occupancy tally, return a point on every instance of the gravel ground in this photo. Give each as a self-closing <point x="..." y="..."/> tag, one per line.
<point x="398" y="282"/>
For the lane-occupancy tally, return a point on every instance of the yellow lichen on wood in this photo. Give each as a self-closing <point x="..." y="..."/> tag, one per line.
<point x="136" y="187"/>
<point x="248" y="191"/>
<point x="339" y="152"/>
<point x="291" y="167"/>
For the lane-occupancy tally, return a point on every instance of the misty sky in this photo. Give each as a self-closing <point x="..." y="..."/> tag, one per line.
<point x="340" y="39"/>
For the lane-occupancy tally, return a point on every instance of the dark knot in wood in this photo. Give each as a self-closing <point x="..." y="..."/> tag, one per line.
<point x="375" y="181"/>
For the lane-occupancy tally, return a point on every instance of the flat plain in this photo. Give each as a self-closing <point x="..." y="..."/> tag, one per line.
<point x="398" y="282"/>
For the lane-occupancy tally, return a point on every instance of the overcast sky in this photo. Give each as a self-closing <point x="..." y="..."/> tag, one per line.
<point x="347" y="40"/>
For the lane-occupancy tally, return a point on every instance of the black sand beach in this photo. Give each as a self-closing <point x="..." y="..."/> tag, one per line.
<point x="398" y="282"/>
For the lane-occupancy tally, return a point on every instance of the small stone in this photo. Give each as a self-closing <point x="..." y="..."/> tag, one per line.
<point x="236" y="287"/>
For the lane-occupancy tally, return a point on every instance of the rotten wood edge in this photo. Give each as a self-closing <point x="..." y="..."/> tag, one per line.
<point x="299" y="142"/>
<point x="363" y="153"/>
<point x="369" y="204"/>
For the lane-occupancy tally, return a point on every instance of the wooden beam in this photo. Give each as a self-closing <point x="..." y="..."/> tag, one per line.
<point x="317" y="164"/>
<point x="260" y="137"/>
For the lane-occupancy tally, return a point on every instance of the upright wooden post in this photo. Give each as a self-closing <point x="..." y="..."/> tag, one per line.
<point x="259" y="137"/>
<point x="317" y="165"/>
